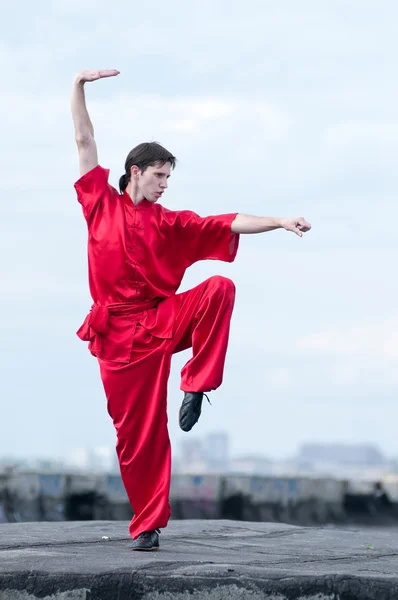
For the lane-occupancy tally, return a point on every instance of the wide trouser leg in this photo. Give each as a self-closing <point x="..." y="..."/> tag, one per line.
<point x="203" y="322"/>
<point x="137" y="403"/>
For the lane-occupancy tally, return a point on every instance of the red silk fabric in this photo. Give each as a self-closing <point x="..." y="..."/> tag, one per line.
<point x="137" y="257"/>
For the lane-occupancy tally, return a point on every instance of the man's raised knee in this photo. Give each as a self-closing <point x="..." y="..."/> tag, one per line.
<point x="223" y="284"/>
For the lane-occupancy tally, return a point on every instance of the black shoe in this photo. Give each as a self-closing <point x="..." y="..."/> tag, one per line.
<point x="146" y="541"/>
<point x="190" y="410"/>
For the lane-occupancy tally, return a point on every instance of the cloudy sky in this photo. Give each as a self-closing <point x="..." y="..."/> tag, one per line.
<point x="273" y="108"/>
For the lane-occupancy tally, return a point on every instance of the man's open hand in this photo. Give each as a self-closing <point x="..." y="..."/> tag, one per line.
<point x="298" y="225"/>
<point x="91" y="75"/>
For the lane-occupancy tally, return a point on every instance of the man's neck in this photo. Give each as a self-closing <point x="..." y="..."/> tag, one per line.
<point x="135" y="195"/>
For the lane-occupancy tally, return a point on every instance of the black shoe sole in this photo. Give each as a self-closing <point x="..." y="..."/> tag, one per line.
<point x="185" y="428"/>
<point x="145" y="549"/>
<point x="180" y="424"/>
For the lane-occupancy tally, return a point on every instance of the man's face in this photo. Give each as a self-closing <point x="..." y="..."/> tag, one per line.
<point x="153" y="181"/>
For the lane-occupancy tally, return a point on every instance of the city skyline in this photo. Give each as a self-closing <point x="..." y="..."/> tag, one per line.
<point x="212" y="453"/>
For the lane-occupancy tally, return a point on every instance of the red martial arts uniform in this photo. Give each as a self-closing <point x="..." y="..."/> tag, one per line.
<point x="137" y="258"/>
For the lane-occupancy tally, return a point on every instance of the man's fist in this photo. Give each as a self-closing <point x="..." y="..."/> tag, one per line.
<point x="89" y="75"/>
<point x="298" y="225"/>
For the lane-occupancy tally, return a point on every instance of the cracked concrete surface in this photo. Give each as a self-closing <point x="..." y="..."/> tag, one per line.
<point x="214" y="560"/>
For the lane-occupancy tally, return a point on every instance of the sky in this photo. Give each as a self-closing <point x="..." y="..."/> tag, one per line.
<point x="272" y="109"/>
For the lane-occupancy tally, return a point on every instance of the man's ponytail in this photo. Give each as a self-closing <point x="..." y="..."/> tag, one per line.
<point x="123" y="182"/>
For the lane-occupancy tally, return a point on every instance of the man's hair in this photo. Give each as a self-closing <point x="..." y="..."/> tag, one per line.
<point x="147" y="154"/>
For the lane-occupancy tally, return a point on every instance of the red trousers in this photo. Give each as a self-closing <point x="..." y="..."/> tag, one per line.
<point x="137" y="394"/>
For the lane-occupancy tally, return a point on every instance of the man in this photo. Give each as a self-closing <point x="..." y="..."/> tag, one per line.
<point x="138" y="252"/>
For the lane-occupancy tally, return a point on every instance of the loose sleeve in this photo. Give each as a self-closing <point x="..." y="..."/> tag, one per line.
<point x="91" y="189"/>
<point x="208" y="238"/>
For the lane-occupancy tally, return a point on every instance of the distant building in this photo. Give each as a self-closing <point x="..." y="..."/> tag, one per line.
<point x="216" y="450"/>
<point x="203" y="455"/>
<point x="252" y="465"/>
<point x="365" y="455"/>
<point x="191" y="457"/>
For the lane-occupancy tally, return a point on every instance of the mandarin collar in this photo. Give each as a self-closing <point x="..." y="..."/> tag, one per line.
<point x="143" y="204"/>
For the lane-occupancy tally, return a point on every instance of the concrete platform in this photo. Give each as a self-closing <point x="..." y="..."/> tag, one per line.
<point x="216" y="560"/>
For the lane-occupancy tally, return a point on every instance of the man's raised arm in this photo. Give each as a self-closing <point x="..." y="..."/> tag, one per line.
<point x="84" y="131"/>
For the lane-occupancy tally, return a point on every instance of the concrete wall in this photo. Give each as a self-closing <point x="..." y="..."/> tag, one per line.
<point x="34" y="496"/>
<point x="249" y="498"/>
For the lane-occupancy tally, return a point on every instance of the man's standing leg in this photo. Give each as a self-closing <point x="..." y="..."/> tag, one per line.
<point x="203" y="322"/>
<point x="137" y="402"/>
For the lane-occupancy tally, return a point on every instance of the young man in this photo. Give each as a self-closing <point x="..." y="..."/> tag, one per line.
<point x="138" y="252"/>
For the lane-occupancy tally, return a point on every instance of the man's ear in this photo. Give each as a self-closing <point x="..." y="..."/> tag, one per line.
<point x="135" y="171"/>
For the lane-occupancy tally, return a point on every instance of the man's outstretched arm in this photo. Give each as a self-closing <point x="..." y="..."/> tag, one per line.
<point x="84" y="131"/>
<point x="248" y="224"/>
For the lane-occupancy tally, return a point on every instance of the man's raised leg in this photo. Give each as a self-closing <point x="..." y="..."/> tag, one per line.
<point x="203" y="323"/>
